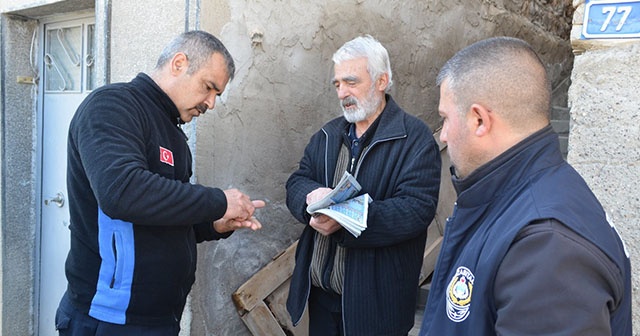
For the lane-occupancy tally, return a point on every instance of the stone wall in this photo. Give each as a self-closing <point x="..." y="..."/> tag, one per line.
<point x="604" y="137"/>
<point x="282" y="94"/>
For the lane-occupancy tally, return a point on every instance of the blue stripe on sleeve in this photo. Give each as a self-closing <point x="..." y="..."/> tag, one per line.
<point x="113" y="292"/>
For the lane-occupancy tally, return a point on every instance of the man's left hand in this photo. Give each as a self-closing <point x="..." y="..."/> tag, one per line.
<point x="324" y="224"/>
<point x="225" y="225"/>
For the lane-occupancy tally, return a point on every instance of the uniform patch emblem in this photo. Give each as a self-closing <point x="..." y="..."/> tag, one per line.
<point x="459" y="294"/>
<point x="166" y="156"/>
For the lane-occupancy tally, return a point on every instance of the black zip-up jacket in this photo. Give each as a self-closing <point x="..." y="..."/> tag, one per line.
<point x="135" y="218"/>
<point x="528" y="251"/>
<point x="400" y="169"/>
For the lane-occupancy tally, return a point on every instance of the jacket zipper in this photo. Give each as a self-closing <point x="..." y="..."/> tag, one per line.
<point x="115" y="260"/>
<point x="367" y="149"/>
<point x="362" y="156"/>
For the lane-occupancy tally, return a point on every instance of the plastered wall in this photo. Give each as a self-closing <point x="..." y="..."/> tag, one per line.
<point x="18" y="234"/>
<point x="604" y="136"/>
<point x="255" y="136"/>
<point x="282" y="94"/>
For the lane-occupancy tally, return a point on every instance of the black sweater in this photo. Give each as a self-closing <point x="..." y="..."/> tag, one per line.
<point x="135" y="218"/>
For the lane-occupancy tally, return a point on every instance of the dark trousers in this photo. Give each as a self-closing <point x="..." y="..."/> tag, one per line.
<point x="71" y="322"/>
<point x="325" y="313"/>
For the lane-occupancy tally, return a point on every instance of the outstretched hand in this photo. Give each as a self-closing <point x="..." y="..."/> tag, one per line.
<point x="239" y="214"/>
<point x="239" y="206"/>
<point x="225" y="225"/>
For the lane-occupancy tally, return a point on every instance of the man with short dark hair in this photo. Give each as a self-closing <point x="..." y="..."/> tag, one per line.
<point x="135" y="218"/>
<point x="528" y="249"/>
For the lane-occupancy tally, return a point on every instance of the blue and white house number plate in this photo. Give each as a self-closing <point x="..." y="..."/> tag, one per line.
<point x="605" y="19"/>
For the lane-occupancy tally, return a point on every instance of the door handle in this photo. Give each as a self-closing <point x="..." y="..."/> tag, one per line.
<point x="58" y="200"/>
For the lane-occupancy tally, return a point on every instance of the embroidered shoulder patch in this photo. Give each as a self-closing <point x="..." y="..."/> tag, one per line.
<point x="166" y="156"/>
<point x="459" y="294"/>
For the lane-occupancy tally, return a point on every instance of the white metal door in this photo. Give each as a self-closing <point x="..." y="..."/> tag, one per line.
<point x="68" y="75"/>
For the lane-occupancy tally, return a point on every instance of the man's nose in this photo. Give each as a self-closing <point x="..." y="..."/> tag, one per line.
<point x="443" y="136"/>
<point x="210" y="101"/>
<point x="342" y="91"/>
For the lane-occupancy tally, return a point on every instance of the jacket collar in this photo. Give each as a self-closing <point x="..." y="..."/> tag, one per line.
<point x="150" y="87"/>
<point x="510" y="169"/>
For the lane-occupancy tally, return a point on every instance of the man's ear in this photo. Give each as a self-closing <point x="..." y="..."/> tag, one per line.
<point x="179" y="63"/>
<point x="382" y="82"/>
<point x="481" y="119"/>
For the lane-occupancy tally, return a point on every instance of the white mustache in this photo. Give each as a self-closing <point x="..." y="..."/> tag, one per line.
<point x="349" y="101"/>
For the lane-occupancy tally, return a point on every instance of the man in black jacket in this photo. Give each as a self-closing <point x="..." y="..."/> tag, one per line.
<point x="364" y="285"/>
<point x="135" y="218"/>
<point x="528" y="249"/>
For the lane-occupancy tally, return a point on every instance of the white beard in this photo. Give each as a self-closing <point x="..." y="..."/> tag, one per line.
<point x="362" y="109"/>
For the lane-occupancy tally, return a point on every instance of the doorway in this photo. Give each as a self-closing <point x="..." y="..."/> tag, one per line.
<point x="68" y="76"/>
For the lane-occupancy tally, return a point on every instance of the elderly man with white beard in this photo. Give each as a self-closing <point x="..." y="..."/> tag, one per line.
<point x="364" y="285"/>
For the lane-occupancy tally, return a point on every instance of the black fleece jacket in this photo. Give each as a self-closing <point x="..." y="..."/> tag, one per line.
<point x="135" y="218"/>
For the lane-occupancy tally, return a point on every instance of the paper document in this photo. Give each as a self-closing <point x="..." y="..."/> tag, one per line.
<point x="340" y="205"/>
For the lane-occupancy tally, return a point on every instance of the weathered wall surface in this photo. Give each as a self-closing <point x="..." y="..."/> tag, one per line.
<point x="282" y="95"/>
<point x="604" y="139"/>
<point x="18" y="167"/>
<point x="40" y="8"/>
<point x="255" y="137"/>
<point x="136" y="40"/>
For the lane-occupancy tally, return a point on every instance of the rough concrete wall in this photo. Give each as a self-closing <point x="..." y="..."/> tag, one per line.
<point x="18" y="168"/>
<point x="40" y="8"/>
<point x="282" y="95"/>
<point x="604" y="139"/>
<point x="2" y="80"/>
<point x="139" y="31"/>
<point x="13" y="5"/>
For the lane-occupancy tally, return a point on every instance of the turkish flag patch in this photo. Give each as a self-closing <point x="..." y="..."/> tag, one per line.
<point x="166" y="156"/>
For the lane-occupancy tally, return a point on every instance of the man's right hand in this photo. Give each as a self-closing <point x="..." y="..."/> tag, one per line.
<point x="239" y="206"/>
<point x="317" y="195"/>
